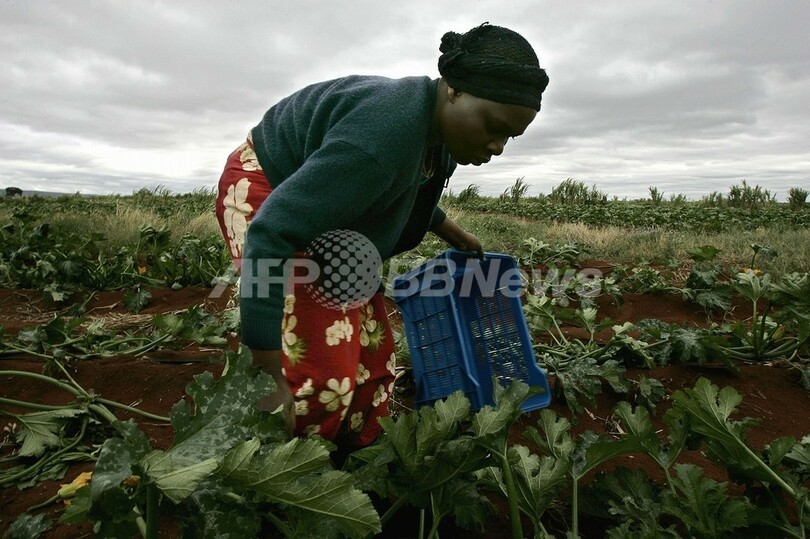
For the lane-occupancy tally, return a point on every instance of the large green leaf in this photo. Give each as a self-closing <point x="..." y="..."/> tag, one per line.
<point x="424" y="456"/>
<point x="216" y="514"/>
<point x="175" y="480"/>
<point x="538" y="479"/>
<point x="28" y="526"/>
<point x="593" y="450"/>
<point x="704" y="505"/>
<point x="415" y="435"/>
<point x="112" y="507"/>
<point x="462" y="499"/>
<point x="639" y="425"/>
<point x="800" y="455"/>
<point x="715" y="299"/>
<point x="710" y="414"/>
<point x="435" y="424"/>
<point x="630" y="497"/>
<point x="224" y="412"/>
<point x="401" y="435"/>
<point x="490" y="421"/>
<point x="297" y="474"/>
<point x="554" y="437"/>
<point x="40" y="431"/>
<point x="779" y="448"/>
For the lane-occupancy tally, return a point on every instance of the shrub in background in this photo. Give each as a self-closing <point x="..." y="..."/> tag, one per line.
<point x="797" y="198"/>
<point x="573" y="191"/>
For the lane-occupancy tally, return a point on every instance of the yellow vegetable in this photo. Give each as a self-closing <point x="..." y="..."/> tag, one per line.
<point x="69" y="490"/>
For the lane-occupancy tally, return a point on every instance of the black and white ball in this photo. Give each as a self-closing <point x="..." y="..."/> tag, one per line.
<point x="349" y="266"/>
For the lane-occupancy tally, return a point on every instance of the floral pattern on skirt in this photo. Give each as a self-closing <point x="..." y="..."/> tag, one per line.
<point x="339" y="364"/>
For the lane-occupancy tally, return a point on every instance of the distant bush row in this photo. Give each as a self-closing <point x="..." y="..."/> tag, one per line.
<point x="572" y="191"/>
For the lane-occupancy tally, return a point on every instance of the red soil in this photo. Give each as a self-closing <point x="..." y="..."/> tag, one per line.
<point x="156" y="381"/>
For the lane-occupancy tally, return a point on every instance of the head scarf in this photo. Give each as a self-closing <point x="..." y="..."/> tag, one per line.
<point x="494" y="63"/>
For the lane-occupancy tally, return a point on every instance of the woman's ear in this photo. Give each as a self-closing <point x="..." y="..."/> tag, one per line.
<point x="452" y="94"/>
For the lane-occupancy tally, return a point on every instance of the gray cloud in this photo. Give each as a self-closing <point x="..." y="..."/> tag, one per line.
<point x="109" y="96"/>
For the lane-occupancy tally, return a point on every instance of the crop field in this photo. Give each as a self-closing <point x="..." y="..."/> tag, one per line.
<point x="675" y="335"/>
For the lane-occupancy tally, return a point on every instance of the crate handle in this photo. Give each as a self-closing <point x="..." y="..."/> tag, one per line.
<point x="469" y="254"/>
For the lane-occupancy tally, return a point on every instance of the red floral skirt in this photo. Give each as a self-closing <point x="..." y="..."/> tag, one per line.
<point x="339" y="363"/>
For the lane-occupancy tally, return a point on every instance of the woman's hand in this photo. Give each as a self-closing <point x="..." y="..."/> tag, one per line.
<point x="469" y="242"/>
<point x="281" y="400"/>
<point x="459" y="238"/>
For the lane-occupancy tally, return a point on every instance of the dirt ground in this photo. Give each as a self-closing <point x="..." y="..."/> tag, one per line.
<point x="157" y="380"/>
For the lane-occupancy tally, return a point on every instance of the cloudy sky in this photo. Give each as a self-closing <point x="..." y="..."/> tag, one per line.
<point x="108" y="96"/>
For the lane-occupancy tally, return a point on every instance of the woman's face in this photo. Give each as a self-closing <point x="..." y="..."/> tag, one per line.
<point x="475" y="129"/>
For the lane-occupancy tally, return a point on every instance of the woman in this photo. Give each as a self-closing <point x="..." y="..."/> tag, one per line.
<point x="348" y="172"/>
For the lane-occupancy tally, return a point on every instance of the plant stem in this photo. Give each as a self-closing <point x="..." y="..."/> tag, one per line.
<point x="43" y="378"/>
<point x="103" y="412"/>
<point x="148" y="346"/>
<point x="78" y="391"/>
<point x="764" y="319"/>
<point x="32" y="405"/>
<point x="16" y="348"/>
<point x="575" y="508"/>
<point x="421" y="524"/>
<point x="152" y="511"/>
<point x="140" y="522"/>
<point x="785" y="348"/>
<point x="755" y="329"/>
<point x="669" y="480"/>
<point x="768" y="470"/>
<point x="72" y="381"/>
<point x="120" y="406"/>
<point x="279" y="524"/>
<point x="437" y="518"/>
<point x="512" y="496"/>
<point x="45" y="503"/>
<point x="779" y="481"/>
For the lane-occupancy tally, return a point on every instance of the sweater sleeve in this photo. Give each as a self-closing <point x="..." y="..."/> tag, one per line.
<point x="437" y="218"/>
<point x="335" y="186"/>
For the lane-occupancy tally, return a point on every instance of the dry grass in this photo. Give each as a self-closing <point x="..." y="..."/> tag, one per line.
<point x="502" y="233"/>
<point x="122" y="227"/>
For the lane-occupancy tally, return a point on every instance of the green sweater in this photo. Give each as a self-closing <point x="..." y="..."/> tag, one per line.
<point x="341" y="154"/>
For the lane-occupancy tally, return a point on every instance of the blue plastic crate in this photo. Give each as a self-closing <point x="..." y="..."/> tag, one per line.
<point x="465" y="325"/>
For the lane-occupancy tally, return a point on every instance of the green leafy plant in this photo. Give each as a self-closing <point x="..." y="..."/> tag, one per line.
<point x="52" y="437"/>
<point x="225" y="454"/>
<point x="782" y="327"/>
<point x="643" y="279"/>
<point x="69" y="338"/>
<point x="432" y="458"/>
<point x="534" y="253"/>
<point x="709" y="414"/>
<point x="743" y="195"/>
<point x="579" y="365"/>
<point x="688" y="502"/>
<point x="706" y="284"/>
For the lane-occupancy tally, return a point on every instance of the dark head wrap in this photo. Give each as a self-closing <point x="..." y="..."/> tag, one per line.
<point x="493" y="63"/>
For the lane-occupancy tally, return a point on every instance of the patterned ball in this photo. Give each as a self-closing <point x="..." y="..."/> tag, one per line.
<point x="349" y="267"/>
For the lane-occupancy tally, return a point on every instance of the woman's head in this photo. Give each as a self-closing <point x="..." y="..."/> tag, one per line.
<point x="490" y="91"/>
<point x="494" y="63"/>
